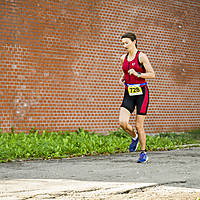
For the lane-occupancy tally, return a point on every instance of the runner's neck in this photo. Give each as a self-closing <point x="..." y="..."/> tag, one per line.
<point x="132" y="55"/>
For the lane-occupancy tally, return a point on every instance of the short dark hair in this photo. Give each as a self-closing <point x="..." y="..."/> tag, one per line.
<point x="131" y="36"/>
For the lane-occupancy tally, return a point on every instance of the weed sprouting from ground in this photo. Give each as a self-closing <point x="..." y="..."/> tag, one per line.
<point x="50" y="145"/>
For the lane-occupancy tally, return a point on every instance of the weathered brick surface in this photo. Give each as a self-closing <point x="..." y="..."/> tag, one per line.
<point x="60" y="62"/>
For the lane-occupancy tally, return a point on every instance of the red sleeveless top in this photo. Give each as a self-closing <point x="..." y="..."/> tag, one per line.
<point x="137" y="66"/>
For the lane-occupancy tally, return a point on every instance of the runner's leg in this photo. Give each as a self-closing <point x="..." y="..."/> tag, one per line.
<point x="124" y="122"/>
<point x="140" y="129"/>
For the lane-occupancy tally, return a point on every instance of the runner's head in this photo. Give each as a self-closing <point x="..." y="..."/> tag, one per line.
<point x="129" y="41"/>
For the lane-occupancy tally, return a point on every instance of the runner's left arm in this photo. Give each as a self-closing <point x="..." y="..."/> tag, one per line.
<point x="147" y="65"/>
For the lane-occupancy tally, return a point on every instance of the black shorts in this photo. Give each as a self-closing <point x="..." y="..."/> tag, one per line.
<point x="141" y="101"/>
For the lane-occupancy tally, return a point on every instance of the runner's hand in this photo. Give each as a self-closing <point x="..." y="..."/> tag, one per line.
<point x="132" y="71"/>
<point x="121" y="81"/>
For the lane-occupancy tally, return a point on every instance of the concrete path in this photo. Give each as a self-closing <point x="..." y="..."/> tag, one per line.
<point x="168" y="175"/>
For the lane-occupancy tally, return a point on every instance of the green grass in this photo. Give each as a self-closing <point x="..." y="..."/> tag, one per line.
<point x="52" y="145"/>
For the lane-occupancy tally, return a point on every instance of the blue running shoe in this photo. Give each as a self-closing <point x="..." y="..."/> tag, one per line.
<point x="134" y="144"/>
<point x="143" y="158"/>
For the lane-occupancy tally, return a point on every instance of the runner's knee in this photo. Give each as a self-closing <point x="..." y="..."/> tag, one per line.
<point x="123" y="124"/>
<point x="139" y="127"/>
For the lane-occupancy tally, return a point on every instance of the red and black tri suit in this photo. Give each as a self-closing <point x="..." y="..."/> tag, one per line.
<point x="140" y="101"/>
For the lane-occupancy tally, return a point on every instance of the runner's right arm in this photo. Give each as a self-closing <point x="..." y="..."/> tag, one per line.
<point x="121" y="81"/>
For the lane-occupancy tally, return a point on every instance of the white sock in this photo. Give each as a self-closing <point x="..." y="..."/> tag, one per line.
<point x="135" y="138"/>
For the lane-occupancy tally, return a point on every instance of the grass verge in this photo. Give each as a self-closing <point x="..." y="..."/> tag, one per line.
<point x="53" y="145"/>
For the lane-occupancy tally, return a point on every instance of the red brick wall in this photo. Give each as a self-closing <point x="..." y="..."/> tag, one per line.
<point x="60" y="63"/>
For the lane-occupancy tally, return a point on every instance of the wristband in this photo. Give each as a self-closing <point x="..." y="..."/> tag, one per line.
<point x="139" y="75"/>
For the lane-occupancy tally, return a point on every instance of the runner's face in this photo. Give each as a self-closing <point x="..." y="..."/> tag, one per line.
<point x="127" y="44"/>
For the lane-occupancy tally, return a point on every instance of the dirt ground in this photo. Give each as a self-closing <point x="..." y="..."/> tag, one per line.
<point x="169" y="175"/>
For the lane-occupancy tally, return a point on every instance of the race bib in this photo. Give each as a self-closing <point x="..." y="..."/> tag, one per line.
<point x="134" y="90"/>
